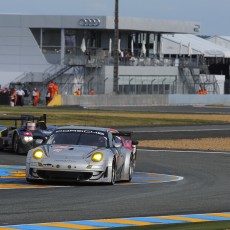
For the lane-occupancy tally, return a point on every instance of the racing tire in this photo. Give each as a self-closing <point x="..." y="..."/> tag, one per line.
<point x="113" y="174"/>
<point x="131" y="168"/>
<point x="16" y="144"/>
<point x="1" y="144"/>
<point x="31" y="181"/>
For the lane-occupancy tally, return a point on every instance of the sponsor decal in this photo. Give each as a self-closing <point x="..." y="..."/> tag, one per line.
<point x="60" y="148"/>
<point x="79" y="131"/>
<point x="89" y="22"/>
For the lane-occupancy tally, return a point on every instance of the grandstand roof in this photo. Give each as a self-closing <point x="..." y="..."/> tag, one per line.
<point x="197" y="45"/>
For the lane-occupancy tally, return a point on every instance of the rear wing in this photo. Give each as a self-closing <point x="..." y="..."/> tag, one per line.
<point x="122" y="133"/>
<point x="24" y="119"/>
<point x="125" y="134"/>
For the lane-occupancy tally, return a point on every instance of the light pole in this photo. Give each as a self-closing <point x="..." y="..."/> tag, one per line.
<point x="152" y="85"/>
<point x="129" y="83"/>
<point x="115" y="51"/>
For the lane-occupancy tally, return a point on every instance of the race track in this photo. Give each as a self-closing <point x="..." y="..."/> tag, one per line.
<point x="204" y="188"/>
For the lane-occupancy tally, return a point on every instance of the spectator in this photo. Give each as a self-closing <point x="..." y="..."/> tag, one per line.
<point x="199" y="92"/>
<point x="127" y="55"/>
<point x="202" y="91"/>
<point x="77" y="92"/>
<point x="27" y="93"/>
<point x="51" y="88"/>
<point x="4" y="96"/>
<point x="12" y="102"/>
<point x="20" y="96"/>
<point x="92" y="92"/>
<point x="13" y="98"/>
<point x="205" y="91"/>
<point x="47" y="97"/>
<point x="121" y="54"/>
<point x="5" y="90"/>
<point x="36" y="96"/>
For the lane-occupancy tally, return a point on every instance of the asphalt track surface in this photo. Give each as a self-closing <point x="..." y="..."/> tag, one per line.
<point x="179" y="132"/>
<point x="204" y="189"/>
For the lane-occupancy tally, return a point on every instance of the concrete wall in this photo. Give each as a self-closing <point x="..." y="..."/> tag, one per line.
<point x="145" y="100"/>
<point x="110" y="100"/>
<point x="191" y="99"/>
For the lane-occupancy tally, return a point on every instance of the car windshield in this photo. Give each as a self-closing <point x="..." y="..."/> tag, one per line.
<point x="78" y="138"/>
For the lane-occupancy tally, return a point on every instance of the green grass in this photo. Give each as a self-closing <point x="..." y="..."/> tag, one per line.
<point x="97" y="118"/>
<point x="217" y="225"/>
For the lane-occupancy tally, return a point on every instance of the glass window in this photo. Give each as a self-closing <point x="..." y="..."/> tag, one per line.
<point x="37" y="34"/>
<point x="70" y="40"/>
<point x="64" y="138"/>
<point x="51" y="37"/>
<point x="78" y="138"/>
<point x="93" y="140"/>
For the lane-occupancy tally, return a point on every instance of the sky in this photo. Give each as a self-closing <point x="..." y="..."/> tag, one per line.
<point x="213" y="15"/>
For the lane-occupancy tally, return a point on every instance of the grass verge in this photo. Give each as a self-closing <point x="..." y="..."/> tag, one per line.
<point x="111" y="118"/>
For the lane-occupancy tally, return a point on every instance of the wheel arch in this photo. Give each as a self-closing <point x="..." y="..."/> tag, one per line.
<point x="125" y="171"/>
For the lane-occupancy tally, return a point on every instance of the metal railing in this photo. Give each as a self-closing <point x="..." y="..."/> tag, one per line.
<point x="189" y="82"/>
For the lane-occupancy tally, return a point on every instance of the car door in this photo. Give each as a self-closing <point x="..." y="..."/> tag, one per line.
<point x="120" y="153"/>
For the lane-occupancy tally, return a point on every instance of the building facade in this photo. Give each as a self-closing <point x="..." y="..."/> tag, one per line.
<point x="77" y="52"/>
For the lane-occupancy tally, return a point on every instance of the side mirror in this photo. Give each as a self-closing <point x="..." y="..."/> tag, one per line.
<point x="117" y="145"/>
<point x="39" y="142"/>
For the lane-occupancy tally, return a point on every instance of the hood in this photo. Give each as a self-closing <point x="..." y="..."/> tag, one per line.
<point x="69" y="151"/>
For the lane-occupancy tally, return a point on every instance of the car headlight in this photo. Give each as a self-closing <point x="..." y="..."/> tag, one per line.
<point x="97" y="157"/>
<point x="38" y="154"/>
<point x="28" y="138"/>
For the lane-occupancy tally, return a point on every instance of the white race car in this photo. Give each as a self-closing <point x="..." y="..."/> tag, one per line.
<point x="83" y="154"/>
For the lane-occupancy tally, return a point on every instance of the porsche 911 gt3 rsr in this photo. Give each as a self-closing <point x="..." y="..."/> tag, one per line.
<point x="83" y="154"/>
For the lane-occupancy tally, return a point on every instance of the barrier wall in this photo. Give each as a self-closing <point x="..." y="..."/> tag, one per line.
<point x="113" y="100"/>
<point x="190" y="99"/>
<point x="145" y="100"/>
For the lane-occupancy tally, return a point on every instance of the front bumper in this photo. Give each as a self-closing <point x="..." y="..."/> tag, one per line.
<point x="67" y="171"/>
